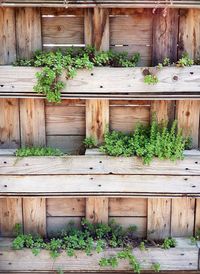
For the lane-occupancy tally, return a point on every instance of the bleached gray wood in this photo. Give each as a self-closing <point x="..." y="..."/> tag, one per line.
<point x="183" y="257"/>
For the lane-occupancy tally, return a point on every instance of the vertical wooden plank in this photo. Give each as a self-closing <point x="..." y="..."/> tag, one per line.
<point x="159" y="209"/>
<point x="88" y="26"/>
<point x="182" y="219"/>
<point x="32" y="117"/>
<point x="188" y="112"/>
<point x="97" y="111"/>
<point x="165" y="35"/>
<point x="34" y="215"/>
<point x="97" y="118"/>
<point x="10" y="215"/>
<point x="28" y="31"/>
<point x="189" y="32"/>
<point x="158" y="221"/>
<point x="9" y="123"/>
<point x="101" y="28"/>
<point x="97" y="209"/>
<point x="197" y="215"/>
<point x="7" y="36"/>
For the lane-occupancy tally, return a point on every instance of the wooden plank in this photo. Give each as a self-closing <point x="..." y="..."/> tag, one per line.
<point x="97" y="118"/>
<point x="7" y="36"/>
<point x="165" y="35"/>
<point x="67" y="144"/>
<point x="112" y="185"/>
<point x="197" y="216"/>
<point x="88" y="26"/>
<point x="183" y="257"/>
<point x="126" y="118"/>
<point x="119" y="207"/>
<point x="188" y="119"/>
<point x="65" y="120"/>
<point x="97" y="209"/>
<point x="63" y="30"/>
<point x="159" y="215"/>
<point x="189" y="32"/>
<point x="116" y="81"/>
<point x="133" y="33"/>
<point x="182" y="217"/>
<point x="101" y="28"/>
<point x="10" y="215"/>
<point x="9" y="123"/>
<point x="32" y="122"/>
<point x="28" y="31"/>
<point x="57" y="224"/>
<point x="34" y="215"/>
<point x="62" y="11"/>
<point x="66" y="207"/>
<point x="139" y="222"/>
<point x="93" y="164"/>
<point x="164" y="110"/>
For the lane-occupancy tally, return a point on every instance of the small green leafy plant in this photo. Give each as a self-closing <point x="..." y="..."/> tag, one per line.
<point x="37" y="151"/>
<point x="169" y="243"/>
<point x="90" y="142"/>
<point x="156" y="267"/>
<point x="157" y="140"/>
<point x="195" y="238"/>
<point x="150" y="79"/>
<point x="185" y="61"/>
<point x="54" y="63"/>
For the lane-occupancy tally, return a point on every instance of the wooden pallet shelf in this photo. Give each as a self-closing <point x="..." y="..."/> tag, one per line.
<point x="183" y="257"/>
<point x="112" y="83"/>
<point x="99" y="175"/>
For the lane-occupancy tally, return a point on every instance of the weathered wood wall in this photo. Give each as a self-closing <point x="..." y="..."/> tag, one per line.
<point x="36" y="122"/>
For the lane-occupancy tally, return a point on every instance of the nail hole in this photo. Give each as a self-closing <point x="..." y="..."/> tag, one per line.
<point x="196" y="162"/>
<point x="99" y="185"/>
<point x="91" y="178"/>
<point x="185" y="179"/>
<point x="100" y="162"/>
<point x="101" y="86"/>
<point x="186" y="168"/>
<point x="5" y="186"/>
<point x="193" y="186"/>
<point x="1" y="86"/>
<point x="191" y="72"/>
<point x="92" y="74"/>
<point x="91" y="167"/>
<point x="5" y="162"/>
<point x="175" y="78"/>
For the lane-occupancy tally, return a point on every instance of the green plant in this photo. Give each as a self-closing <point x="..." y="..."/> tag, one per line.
<point x="156" y="267"/>
<point x="157" y="140"/>
<point x="169" y="243"/>
<point x="90" y="142"/>
<point x="54" y="63"/>
<point x="185" y="61"/>
<point x="37" y="151"/>
<point x="18" y="229"/>
<point x="142" y="246"/>
<point x="150" y="79"/>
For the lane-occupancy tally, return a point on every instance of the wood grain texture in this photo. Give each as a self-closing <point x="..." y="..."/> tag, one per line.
<point x="101" y="28"/>
<point x="163" y="109"/>
<point x="84" y="185"/>
<point x="63" y="30"/>
<point x="159" y="218"/>
<point x="119" y="207"/>
<point x="125" y="118"/>
<point x="182" y="217"/>
<point x="197" y="216"/>
<point x="9" y="123"/>
<point x="66" y="207"/>
<point x="133" y="33"/>
<point x="189" y="32"/>
<point x="98" y="164"/>
<point x="183" y="257"/>
<point x="10" y="215"/>
<point x="7" y="36"/>
<point x="97" y="209"/>
<point x="19" y="81"/>
<point x="28" y="31"/>
<point x="65" y="120"/>
<point x="88" y="26"/>
<point x="165" y="35"/>
<point x="97" y="118"/>
<point x="188" y="119"/>
<point x="32" y="122"/>
<point x="34" y="215"/>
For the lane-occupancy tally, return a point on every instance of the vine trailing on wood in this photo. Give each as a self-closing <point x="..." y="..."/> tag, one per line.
<point x="53" y="64"/>
<point x="155" y="140"/>
<point x="89" y="238"/>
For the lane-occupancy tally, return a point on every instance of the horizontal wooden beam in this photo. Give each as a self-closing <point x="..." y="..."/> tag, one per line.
<point x="98" y="164"/>
<point x="102" y="4"/>
<point x="183" y="257"/>
<point x="113" y="83"/>
<point x="105" y="185"/>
